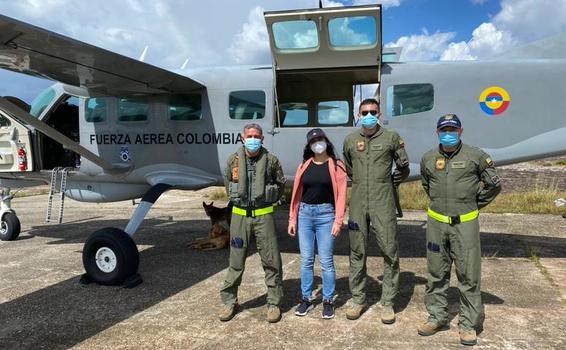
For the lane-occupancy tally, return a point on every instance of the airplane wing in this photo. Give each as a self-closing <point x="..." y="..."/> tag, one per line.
<point x="35" y="51"/>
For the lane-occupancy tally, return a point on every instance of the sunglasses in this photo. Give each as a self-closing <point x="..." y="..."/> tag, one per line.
<point x="373" y="112"/>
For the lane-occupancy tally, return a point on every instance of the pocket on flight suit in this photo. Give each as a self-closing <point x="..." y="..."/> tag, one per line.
<point x="233" y="191"/>
<point x="271" y="193"/>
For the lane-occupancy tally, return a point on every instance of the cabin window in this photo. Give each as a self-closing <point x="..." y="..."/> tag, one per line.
<point x="409" y="99"/>
<point x="295" y="35"/>
<point x="95" y="110"/>
<point x="247" y="104"/>
<point x="294" y="114"/>
<point x="4" y="122"/>
<point x="333" y="112"/>
<point x="185" y="107"/>
<point x="352" y="31"/>
<point x="133" y="109"/>
<point x="41" y="102"/>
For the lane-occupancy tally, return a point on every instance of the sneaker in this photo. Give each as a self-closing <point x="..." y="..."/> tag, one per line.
<point x="355" y="311"/>
<point x="304" y="307"/>
<point x="327" y="309"/>
<point x="387" y="314"/>
<point x="273" y="313"/>
<point x="430" y="328"/>
<point x="228" y="312"/>
<point x="468" y="337"/>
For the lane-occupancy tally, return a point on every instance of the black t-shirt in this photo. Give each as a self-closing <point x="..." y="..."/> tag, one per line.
<point x="317" y="184"/>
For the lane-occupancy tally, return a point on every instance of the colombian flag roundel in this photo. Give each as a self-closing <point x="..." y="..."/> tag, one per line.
<point x="494" y="100"/>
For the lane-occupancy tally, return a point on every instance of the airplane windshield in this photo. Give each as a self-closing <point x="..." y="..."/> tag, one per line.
<point x="41" y="102"/>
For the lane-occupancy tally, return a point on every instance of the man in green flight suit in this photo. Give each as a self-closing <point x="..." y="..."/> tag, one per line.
<point x="369" y="155"/>
<point x="459" y="179"/>
<point x="254" y="182"/>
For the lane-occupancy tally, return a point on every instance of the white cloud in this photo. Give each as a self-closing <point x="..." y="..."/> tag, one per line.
<point x="423" y="47"/>
<point x="486" y="41"/>
<point x="385" y="3"/>
<point x="251" y="44"/>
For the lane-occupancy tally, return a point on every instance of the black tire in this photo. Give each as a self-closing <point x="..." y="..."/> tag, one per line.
<point x="105" y="242"/>
<point x="9" y="227"/>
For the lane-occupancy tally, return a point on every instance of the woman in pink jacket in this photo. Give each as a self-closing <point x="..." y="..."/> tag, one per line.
<point x="317" y="210"/>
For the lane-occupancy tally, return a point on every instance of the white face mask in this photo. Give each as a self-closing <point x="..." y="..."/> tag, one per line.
<point x="318" y="147"/>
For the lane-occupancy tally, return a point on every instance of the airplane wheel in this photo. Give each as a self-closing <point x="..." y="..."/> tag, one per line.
<point x="9" y="227"/>
<point x="110" y="256"/>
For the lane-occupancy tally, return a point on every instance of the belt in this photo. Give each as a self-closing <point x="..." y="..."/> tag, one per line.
<point x="252" y="213"/>
<point x="452" y="220"/>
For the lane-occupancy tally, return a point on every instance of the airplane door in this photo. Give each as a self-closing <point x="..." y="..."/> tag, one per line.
<point x="15" y="145"/>
<point x="319" y="55"/>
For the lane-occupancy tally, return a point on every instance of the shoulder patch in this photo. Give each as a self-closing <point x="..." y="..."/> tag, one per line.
<point x="401" y="143"/>
<point x="489" y="162"/>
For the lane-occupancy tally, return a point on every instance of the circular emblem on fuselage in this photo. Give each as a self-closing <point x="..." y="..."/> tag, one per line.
<point x="494" y="100"/>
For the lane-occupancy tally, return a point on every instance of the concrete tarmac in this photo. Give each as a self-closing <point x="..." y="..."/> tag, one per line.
<point x="43" y="306"/>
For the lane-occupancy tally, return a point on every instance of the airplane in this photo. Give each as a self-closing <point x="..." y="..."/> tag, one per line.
<point x="114" y="128"/>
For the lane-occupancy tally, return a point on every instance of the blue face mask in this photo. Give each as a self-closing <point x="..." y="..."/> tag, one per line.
<point x="252" y="144"/>
<point x="449" y="138"/>
<point x="369" y="121"/>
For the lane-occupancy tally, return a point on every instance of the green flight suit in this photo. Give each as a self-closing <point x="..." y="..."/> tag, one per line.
<point x="457" y="184"/>
<point x="369" y="162"/>
<point x="262" y="227"/>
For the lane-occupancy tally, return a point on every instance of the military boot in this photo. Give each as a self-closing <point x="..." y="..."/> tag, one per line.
<point x="387" y="314"/>
<point x="355" y="311"/>
<point x="430" y="328"/>
<point x="468" y="337"/>
<point x="273" y="313"/>
<point x="228" y="312"/>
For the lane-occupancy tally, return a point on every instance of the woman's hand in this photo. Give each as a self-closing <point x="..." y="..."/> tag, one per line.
<point x="292" y="230"/>
<point x="336" y="228"/>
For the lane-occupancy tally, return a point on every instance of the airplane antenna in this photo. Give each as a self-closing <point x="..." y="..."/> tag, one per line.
<point x="142" y="57"/>
<point x="319" y="3"/>
<point x="185" y="64"/>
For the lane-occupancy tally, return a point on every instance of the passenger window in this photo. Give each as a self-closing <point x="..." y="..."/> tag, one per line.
<point x="4" y="122"/>
<point x="333" y="112"/>
<point x="352" y="31"/>
<point x="95" y="110"/>
<point x="247" y="104"/>
<point x="133" y="109"/>
<point x="409" y="99"/>
<point x="41" y="102"/>
<point x="294" y="114"/>
<point x="295" y="35"/>
<point x="185" y="107"/>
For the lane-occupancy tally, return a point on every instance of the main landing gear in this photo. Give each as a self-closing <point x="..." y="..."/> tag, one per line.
<point x="9" y="223"/>
<point x="110" y="255"/>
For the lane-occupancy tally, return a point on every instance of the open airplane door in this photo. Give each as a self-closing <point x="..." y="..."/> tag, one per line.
<point x="319" y="56"/>
<point x="15" y="145"/>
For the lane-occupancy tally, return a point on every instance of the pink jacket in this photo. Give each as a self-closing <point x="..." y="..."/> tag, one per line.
<point x="339" y="185"/>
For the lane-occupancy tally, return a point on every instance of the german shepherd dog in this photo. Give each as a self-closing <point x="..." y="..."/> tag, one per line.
<point x="219" y="233"/>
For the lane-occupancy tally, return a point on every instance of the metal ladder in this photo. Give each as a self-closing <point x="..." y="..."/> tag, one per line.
<point x="53" y="191"/>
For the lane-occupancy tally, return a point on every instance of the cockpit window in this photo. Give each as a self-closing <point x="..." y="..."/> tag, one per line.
<point x="352" y="31"/>
<point x="95" y="110"/>
<point x="409" y="99"/>
<point x="134" y="109"/>
<point x="295" y="35"/>
<point x="294" y="114"/>
<point x="185" y="107"/>
<point x="4" y="122"/>
<point x="41" y="102"/>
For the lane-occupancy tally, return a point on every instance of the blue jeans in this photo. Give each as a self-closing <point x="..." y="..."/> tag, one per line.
<point x="315" y="225"/>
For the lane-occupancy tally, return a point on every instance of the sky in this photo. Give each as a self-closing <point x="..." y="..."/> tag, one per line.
<point x="227" y="32"/>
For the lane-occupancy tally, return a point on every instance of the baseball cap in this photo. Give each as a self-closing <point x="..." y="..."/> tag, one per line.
<point x="315" y="133"/>
<point x="449" y="120"/>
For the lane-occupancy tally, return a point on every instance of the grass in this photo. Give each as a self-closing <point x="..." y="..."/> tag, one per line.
<point x="218" y="193"/>
<point x="555" y="163"/>
<point x="539" y="200"/>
